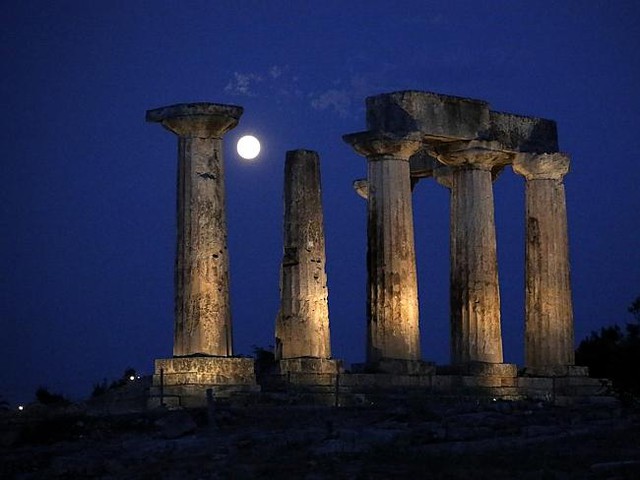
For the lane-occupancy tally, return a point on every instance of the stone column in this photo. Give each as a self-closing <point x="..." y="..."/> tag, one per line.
<point x="548" y="308"/>
<point x="392" y="306"/>
<point x="475" y="294"/>
<point x="302" y="326"/>
<point x="202" y="312"/>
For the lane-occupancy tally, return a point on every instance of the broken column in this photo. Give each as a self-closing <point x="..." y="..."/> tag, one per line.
<point x="475" y="294"/>
<point x="302" y="326"/>
<point x="392" y="309"/>
<point x="549" y="343"/>
<point x="202" y="312"/>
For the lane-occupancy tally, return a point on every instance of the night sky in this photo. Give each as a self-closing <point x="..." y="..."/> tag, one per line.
<point x="88" y="194"/>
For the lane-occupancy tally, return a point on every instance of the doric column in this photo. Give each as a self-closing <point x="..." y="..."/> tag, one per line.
<point x="474" y="289"/>
<point x="548" y="307"/>
<point x="302" y="326"/>
<point x="202" y="312"/>
<point x="392" y="304"/>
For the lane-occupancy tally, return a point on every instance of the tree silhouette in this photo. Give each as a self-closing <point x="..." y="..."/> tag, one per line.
<point x="614" y="353"/>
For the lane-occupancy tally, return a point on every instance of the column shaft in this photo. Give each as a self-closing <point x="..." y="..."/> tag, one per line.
<point x="548" y="306"/>
<point x="393" y="290"/>
<point x="474" y="295"/>
<point x="202" y="316"/>
<point x="202" y="310"/>
<point x="302" y="326"/>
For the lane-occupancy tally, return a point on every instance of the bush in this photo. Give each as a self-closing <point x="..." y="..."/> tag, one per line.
<point x="45" y="397"/>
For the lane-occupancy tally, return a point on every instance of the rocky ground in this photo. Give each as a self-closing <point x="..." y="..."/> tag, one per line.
<point x="419" y="438"/>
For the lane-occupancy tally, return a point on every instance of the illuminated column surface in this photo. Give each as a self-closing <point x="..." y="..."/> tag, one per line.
<point x="474" y="289"/>
<point x="202" y="311"/>
<point x="548" y="306"/>
<point x="302" y="326"/>
<point x="392" y="304"/>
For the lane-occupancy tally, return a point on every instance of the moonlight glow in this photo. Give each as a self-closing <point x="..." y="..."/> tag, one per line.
<point x="248" y="147"/>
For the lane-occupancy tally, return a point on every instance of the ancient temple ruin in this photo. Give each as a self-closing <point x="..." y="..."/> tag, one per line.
<point x="410" y="136"/>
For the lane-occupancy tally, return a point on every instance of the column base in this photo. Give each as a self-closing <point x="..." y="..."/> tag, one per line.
<point x="183" y="381"/>
<point x="309" y="365"/>
<point x="395" y="366"/>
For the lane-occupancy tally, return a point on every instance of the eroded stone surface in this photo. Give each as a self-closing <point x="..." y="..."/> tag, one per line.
<point x="474" y="288"/>
<point x="302" y="325"/>
<point x="549" y="337"/>
<point x="392" y="307"/>
<point x="202" y="310"/>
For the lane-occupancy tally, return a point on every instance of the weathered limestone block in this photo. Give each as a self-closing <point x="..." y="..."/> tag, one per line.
<point x="523" y="134"/>
<point x="184" y="380"/>
<point x="439" y="117"/>
<point x="202" y="313"/>
<point x="302" y="325"/>
<point x="392" y="307"/>
<point x="549" y="340"/>
<point x="474" y="289"/>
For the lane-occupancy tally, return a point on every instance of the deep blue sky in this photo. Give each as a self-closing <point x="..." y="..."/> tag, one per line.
<point x="87" y="194"/>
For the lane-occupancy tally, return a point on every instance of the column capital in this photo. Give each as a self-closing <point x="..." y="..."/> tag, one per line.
<point x="200" y="120"/>
<point x="443" y="175"/>
<point x="536" y="166"/>
<point x="378" y="144"/>
<point x="478" y="154"/>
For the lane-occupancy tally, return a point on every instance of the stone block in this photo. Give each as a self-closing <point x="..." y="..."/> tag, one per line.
<point x="309" y="365"/>
<point x="361" y="382"/>
<point x="556" y="371"/>
<point x="185" y="380"/>
<point x="439" y="117"/>
<point x="230" y="370"/>
<point x="396" y="367"/>
<point x="480" y="369"/>
<point x="522" y="134"/>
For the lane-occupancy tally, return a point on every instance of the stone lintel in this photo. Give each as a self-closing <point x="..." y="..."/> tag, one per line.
<point x="478" y="154"/>
<point x="556" y="371"/>
<point x="202" y="120"/>
<point x="438" y="116"/>
<point x="309" y="365"/>
<point x="552" y="166"/>
<point x="523" y="134"/>
<point x="379" y="144"/>
<point x="480" y="369"/>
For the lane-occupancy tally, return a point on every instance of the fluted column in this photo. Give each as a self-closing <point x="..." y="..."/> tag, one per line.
<point x="302" y="326"/>
<point x="548" y="307"/>
<point x="202" y="310"/>
<point x="392" y="304"/>
<point x="474" y="289"/>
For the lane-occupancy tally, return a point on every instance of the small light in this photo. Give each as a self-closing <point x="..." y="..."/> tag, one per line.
<point x="138" y="377"/>
<point x="20" y="407"/>
<point x="132" y="378"/>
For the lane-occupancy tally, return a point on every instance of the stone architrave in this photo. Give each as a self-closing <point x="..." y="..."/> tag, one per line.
<point x="392" y="305"/>
<point x="474" y="288"/>
<point x="302" y="325"/>
<point x="549" y="341"/>
<point x="202" y="310"/>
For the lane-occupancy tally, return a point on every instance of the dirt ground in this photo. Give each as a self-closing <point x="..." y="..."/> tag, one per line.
<point x="414" y="439"/>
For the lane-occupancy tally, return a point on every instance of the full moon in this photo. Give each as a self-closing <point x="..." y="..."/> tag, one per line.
<point x="248" y="147"/>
